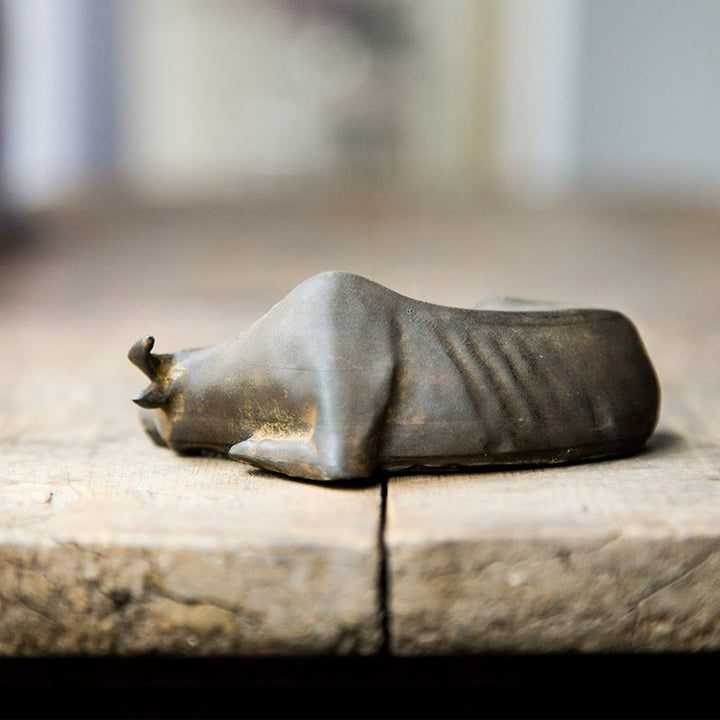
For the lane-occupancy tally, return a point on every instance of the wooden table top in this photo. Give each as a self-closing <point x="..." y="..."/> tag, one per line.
<point x="110" y="545"/>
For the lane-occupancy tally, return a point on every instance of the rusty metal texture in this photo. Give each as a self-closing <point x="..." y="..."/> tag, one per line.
<point x="344" y="378"/>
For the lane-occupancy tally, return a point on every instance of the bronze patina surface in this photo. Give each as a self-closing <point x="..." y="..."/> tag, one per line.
<point x="344" y="377"/>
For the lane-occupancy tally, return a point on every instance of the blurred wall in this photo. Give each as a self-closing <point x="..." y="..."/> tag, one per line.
<point x="534" y="104"/>
<point x="221" y="93"/>
<point x="194" y="98"/>
<point x="649" y="105"/>
<point x="60" y="96"/>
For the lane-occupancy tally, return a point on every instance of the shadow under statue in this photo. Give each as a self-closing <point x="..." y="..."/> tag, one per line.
<point x="344" y="377"/>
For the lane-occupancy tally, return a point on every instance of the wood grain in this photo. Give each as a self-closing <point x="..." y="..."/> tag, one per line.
<point x="615" y="556"/>
<point x="110" y="545"/>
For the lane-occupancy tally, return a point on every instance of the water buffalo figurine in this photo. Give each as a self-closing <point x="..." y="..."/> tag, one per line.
<point x="344" y="377"/>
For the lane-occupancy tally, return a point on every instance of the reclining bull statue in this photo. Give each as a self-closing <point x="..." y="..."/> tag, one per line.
<point x="344" y="377"/>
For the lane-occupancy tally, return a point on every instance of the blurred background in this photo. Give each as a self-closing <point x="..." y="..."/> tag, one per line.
<point x="177" y="166"/>
<point x="189" y="99"/>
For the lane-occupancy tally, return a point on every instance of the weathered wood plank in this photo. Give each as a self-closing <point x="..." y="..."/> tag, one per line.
<point x="622" y="555"/>
<point x="103" y="555"/>
<point x="109" y="544"/>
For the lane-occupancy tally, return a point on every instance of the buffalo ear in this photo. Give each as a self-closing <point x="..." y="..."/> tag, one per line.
<point x="150" y="397"/>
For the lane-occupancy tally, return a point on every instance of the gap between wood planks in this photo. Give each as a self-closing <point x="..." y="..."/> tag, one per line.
<point x="383" y="585"/>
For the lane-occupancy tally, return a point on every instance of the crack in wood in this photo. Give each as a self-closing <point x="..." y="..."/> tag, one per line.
<point x="383" y="570"/>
